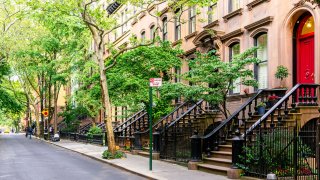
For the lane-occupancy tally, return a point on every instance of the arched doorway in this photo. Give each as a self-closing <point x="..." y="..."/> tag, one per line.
<point x="304" y="42"/>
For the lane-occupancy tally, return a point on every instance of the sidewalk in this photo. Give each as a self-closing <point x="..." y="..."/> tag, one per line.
<point x="138" y="164"/>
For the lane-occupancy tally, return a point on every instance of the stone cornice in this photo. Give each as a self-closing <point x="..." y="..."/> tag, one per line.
<point x="190" y="51"/>
<point x="259" y="23"/>
<point x="302" y="2"/>
<point x="232" y="14"/>
<point x="255" y="3"/>
<point x="212" y="24"/>
<point x="134" y="21"/>
<point x="191" y="35"/>
<point x="163" y="11"/>
<point x="177" y="42"/>
<point x="232" y="34"/>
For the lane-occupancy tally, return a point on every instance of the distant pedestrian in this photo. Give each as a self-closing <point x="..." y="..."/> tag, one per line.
<point x="30" y="131"/>
<point x="26" y="130"/>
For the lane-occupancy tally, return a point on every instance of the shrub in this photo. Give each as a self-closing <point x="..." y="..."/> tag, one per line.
<point x="94" y="131"/>
<point x="282" y="72"/>
<point x="108" y="155"/>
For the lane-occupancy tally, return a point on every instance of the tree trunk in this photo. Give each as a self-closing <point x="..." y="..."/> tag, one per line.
<point x="106" y="102"/>
<point x="55" y="99"/>
<point x="36" y="113"/>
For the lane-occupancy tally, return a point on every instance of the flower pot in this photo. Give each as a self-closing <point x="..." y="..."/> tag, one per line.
<point x="261" y="110"/>
<point x="270" y="104"/>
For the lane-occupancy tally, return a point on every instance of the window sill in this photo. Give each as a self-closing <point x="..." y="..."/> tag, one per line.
<point x="255" y="3"/>
<point x="232" y="14"/>
<point x="212" y="24"/>
<point x="191" y="35"/>
<point x="177" y="42"/>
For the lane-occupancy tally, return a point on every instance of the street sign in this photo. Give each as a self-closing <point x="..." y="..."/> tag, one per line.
<point x="155" y="82"/>
<point x="45" y="112"/>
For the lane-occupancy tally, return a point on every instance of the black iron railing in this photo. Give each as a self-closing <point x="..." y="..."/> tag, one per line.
<point x="227" y="128"/>
<point x="176" y="113"/>
<point x="280" y="145"/>
<point x="175" y="136"/>
<point x="84" y="129"/>
<point x="130" y="120"/>
<point x="93" y="139"/>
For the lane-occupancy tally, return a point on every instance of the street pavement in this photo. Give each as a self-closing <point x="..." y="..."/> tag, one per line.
<point x="140" y="165"/>
<point x="33" y="159"/>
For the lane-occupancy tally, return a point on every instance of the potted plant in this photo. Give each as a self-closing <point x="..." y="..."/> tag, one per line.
<point x="281" y="73"/>
<point x="272" y="100"/>
<point x="261" y="108"/>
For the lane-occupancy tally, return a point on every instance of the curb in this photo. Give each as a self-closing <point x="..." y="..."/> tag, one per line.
<point x="101" y="160"/>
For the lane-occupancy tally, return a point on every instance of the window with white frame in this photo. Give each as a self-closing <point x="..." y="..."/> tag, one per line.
<point x="234" y="49"/>
<point x="234" y="5"/>
<point x="212" y="13"/>
<point x="261" y="69"/>
<point x="165" y="28"/>
<point x="192" y="19"/>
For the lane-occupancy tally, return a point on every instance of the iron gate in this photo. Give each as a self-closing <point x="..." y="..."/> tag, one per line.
<point x="288" y="151"/>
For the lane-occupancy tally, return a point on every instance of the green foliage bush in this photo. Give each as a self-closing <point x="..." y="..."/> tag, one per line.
<point x="94" y="131"/>
<point x="108" y="155"/>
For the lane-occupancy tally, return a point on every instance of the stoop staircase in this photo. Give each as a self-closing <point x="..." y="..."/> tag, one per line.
<point x="251" y="126"/>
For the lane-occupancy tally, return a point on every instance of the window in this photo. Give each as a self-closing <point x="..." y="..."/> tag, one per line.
<point x="212" y="13"/>
<point x="177" y="71"/>
<point x="124" y="18"/>
<point x="261" y="69"/>
<point x="234" y="49"/>
<point x="165" y="28"/>
<point x="192" y="19"/>
<point x="152" y="29"/>
<point x="234" y="5"/>
<point x="143" y="37"/>
<point x="177" y="30"/>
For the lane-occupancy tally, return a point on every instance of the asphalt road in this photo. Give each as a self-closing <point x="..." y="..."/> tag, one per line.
<point x="32" y="159"/>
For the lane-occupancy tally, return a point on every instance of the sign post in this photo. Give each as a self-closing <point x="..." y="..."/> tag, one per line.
<point x="154" y="82"/>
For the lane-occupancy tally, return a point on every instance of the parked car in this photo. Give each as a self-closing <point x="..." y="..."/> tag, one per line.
<point x="6" y="131"/>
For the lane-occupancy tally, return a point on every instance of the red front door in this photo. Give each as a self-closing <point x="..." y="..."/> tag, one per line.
<point x="305" y="51"/>
<point x="306" y="60"/>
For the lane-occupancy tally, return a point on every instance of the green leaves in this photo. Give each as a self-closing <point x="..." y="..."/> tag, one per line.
<point x="211" y="78"/>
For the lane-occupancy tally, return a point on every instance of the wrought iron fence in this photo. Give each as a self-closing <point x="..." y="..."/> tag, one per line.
<point x="94" y="139"/>
<point x="175" y="142"/>
<point x="286" y="149"/>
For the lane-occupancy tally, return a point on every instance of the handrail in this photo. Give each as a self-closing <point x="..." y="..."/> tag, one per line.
<point x="141" y="116"/>
<point x="185" y="113"/>
<point x="165" y="117"/>
<point x="279" y="103"/>
<point x="135" y="114"/>
<point x="226" y="121"/>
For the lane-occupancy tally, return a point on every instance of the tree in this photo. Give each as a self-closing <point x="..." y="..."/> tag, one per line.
<point x="212" y="78"/>
<point x="93" y="15"/>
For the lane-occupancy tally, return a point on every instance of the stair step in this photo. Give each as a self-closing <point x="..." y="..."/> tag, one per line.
<point x="222" y="154"/>
<point x="226" y="147"/>
<point x="213" y="169"/>
<point x="143" y="153"/>
<point x="218" y="162"/>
